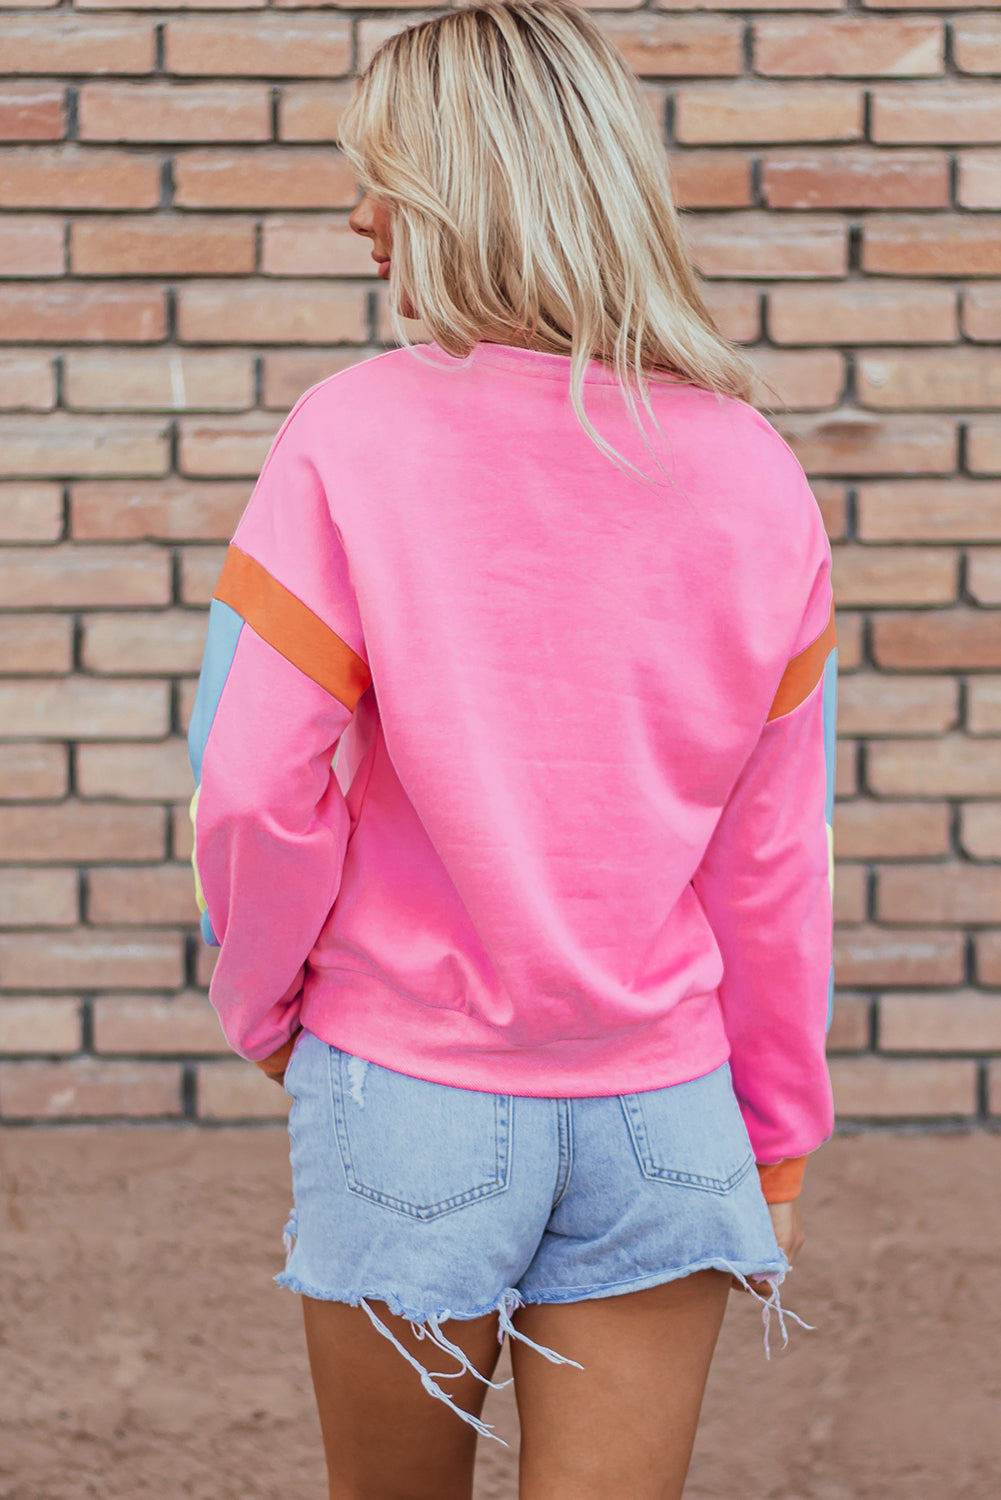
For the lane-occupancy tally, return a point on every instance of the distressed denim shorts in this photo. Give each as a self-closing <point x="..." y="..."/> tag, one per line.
<point x="444" y="1202"/>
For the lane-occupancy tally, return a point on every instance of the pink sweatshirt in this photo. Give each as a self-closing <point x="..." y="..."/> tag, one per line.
<point x="576" y="838"/>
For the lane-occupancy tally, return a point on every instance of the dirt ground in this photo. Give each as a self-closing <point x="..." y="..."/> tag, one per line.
<point x="145" y="1351"/>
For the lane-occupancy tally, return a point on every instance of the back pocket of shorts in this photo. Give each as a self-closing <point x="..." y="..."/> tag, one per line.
<point x="691" y="1134"/>
<point x="420" y="1148"/>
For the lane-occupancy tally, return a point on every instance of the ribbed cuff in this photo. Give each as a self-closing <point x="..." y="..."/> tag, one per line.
<point x="782" y="1181"/>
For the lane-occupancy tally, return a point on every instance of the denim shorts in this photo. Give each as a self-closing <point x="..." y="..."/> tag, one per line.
<point x="445" y="1202"/>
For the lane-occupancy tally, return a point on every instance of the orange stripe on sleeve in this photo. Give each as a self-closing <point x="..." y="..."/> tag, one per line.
<point x="291" y="628"/>
<point x="804" y="672"/>
<point x="781" y="1181"/>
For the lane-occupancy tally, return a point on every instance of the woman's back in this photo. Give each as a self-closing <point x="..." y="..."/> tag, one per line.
<point x="570" y="670"/>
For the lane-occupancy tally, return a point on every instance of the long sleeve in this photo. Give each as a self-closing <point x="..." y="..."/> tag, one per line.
<point x="283" y="669"/>
<point x="766" y="884"/>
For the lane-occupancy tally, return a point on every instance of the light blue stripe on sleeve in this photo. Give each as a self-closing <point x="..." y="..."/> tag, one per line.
<point x="220" y="647"/>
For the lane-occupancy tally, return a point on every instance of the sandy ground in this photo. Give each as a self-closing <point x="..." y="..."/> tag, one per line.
<point x="145" y="1351"/>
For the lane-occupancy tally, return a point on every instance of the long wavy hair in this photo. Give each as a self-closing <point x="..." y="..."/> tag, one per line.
<point x="528" y="193"/>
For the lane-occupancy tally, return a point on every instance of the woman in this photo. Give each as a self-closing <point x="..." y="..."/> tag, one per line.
<point x="549" y="946"/>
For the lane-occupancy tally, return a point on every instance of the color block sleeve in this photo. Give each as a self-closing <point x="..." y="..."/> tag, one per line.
<point x="766" y="884"/>
<point x="283" y="669"/>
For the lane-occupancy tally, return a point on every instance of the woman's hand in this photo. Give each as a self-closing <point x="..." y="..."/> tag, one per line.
<point x="788" y="1228"/>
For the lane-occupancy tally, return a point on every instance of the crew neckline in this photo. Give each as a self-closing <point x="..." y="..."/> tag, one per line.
<point x="539" y="362"/>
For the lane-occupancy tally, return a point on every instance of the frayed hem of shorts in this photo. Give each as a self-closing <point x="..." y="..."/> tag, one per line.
<point x="774" y="1276"/>
<point x="427" y="1325"/>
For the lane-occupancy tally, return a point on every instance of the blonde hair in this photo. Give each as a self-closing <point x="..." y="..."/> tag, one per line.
<point x="528" y="192"/>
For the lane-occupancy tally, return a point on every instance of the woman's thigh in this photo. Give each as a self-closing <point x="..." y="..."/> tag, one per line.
<point x="384" y="1436"/>
<point x="625" y="1424"/>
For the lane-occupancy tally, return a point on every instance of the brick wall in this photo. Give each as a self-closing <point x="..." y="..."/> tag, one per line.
<point x="176" y="267"/>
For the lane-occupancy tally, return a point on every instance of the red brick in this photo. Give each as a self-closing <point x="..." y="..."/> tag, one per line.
<point x="983" y="705"/>
<point x="855" y="179"/>
<point x="861" y="313"/>
<point x="290" y="372"/>
<point x="867" y="829"/>
<point x="172" y="4"/>
<point x="67" y="445"/>
<point x="75" y="177"/>
<point x="895" y="575"/>
<point x="955" y="379"/>
<point x="77" y="44"/>
<point x="85" y="958"/>
<point x="68" y="576"/>
<point x="874" y="703"/>
<point x="833" y="501"/>
<point x="848" y="46"/>
<point x="166" y="112"/>
<point x="806" y="381"/>
<point x="158" y="380"/>
<point x="29" y="771"/>
<point x="856" y="442"/>
<point x="267" y="312"/>
<point x="735" y="309"/>
<point x="38" y="897"/>
<point x="200" y="570"/>
<point x="934" y="245"/>
<point x="983" y="575"/>
<point x="27" y="381"/>
<point x="165" y="510"/>
<point x="956" y="639"/>
<point x="849" y="628"/>
<point x="964" y="1021"/>
<point x="32" y="112"/>
<point x="980" y="830"/>
<point x="753" y="4"/>
<point x="267" y="46"/>
<point x="162" y="246"/>
<point x="238" y="1091"/>
<point x="868" y="956"/>
<point x="936" y="115"/>
<point x="80" y="832"/>
<point x="958" y="892"/>
<point x="30" y="512"/>
<point x="312" y="111"/>
<point x="238" y="445"/>
<point x="677" y="46"/>
<point x="952" y="766"/>
<point x="84" y="1088"/>
<point x="185" y="1023"/>
<point x="76" y="708"/>
<point x="182" y="841"/>
<point x="710" y="179"/>
<point x="758" y="245"/>
<point x="31" y="247"/>
<point x="283" y="177"/>
<point x="36" y="643"/>
<point x="765" y="112"/>
<point x="884" y="1088"/>
<point x="976" y="43"/>
<point x="161" y="896"/>
<point x="61" y="313"/>
<point x="979" y="184"/>
<point x="162" y="644"/>
<point x="312" y="246"/>
<point x="39" y="1025"/>
<point x="849" y="1031"/>
<point x="136" y="772"/>
<point x="206" y="959"/>
<point x="849" y="892"/>
<point x="983" y="446"/>
<point x="956" y="510"/>
<point x="989" y="958"/>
